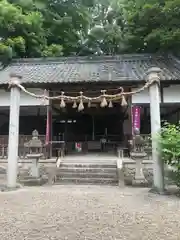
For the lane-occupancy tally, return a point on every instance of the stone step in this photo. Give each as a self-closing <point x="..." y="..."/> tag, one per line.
<point x="90" y="161"/>
<point x="28" y="177"/>
<point x="87" y="165"/>
<point x="72" y="174"/>
<point x="105" y="181"/>
<point x="86" y="170"/>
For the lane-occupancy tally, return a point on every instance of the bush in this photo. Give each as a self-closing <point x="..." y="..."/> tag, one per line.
<point x="170" y="143"/>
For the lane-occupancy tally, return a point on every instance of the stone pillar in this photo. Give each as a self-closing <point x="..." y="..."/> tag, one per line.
<point x="154" y="93"/>
<point x="13" y="133"/>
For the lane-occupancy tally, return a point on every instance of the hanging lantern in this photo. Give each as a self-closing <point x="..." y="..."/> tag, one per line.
<point x="89" y="103"/>
<point x="62" y="103"/>
<point x="81" y="105"/>
<point x="123" y="101"/>
<point x="103" y="101"/>
<point x="110" y="104"/>
<point x="74" y="104"/>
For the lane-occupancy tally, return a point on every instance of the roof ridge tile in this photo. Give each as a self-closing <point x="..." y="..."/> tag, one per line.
<point x="122" y="57"/>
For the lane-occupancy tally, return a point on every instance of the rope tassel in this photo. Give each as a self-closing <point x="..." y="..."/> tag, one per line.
<point x="74" y="105"/>
<point x="89" y="104"/>
<point x="123" y="101"/>
<point x="110" y="104"/>
<point x="103" y="101"/>
<point x="62" y="103"/>
<point x="81" y="105"/>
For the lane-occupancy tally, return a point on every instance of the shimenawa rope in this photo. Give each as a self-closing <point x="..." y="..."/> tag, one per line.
<point x="103" y="97"/>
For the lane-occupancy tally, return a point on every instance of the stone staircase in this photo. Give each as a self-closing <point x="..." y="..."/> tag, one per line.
<point x="87" y="170"/>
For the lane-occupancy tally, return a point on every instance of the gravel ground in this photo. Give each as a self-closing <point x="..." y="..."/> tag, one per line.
<point x="88" y="212"/>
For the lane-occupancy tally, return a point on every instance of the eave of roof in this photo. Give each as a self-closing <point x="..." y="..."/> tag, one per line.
<point x="121" y="68"/>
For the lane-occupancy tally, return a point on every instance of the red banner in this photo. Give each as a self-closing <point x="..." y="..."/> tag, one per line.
<point x="48" y="126"/>
<point x="136" y="118"/>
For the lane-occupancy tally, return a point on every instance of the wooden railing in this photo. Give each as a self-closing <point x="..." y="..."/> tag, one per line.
<point x="22" y="152"/>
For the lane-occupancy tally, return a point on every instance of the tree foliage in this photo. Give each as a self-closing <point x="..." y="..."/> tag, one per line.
<point x="41" y="28"/>
<point x="106" y="33"/>
<point x="153" y="25"/>
<point x="170" y="143"/>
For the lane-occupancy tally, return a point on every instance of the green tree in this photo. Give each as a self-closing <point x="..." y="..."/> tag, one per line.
<point x="35" y="28"/>
<point x="106" y="32"/>
<point x="153" y="25"/>
<point x="40" y="28"/>
<point x="22" y="35"/>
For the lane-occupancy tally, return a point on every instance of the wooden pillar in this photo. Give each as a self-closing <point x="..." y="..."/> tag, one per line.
<point x="50" y="109"/>
<point x="93" y="129"/>
<point x="49" y="129"/>
<point x="130" y="114"/>
<point x="127" y="123"/>
<point x="13" y="133"/>
<point x="154" y="93"/>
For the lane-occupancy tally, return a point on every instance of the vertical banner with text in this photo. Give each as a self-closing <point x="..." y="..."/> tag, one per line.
<point x="48" y="126"/>
<point x="136" y="118"/>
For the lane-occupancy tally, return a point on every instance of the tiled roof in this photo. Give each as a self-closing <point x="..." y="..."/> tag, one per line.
<point x="85" y="69"/>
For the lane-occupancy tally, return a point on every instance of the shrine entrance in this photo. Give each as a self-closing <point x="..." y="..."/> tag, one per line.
<point x="93" y="130"/>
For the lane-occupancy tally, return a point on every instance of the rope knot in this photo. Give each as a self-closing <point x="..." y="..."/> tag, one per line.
<point x="13" y="83"/>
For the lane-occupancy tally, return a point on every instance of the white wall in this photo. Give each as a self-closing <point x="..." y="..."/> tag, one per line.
<point x="26" y="100"/>
<point x="170" y="95"/>
<point x="142" y="97"/>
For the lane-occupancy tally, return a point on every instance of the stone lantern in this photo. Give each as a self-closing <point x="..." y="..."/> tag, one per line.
<point x="138" y="154"/>
<point x="35" y="147"/>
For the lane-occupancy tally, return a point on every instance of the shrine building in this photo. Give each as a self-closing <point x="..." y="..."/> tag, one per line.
<point x="88" y="76"/>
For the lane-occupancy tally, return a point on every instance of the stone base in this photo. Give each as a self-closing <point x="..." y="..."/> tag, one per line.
<point x="120" y="174"/>
<point x="5" y="188"/>
<point x="156" y="191"/>
<point x="140" y="182"/>
<point x="31" y="181"/>
<point x="121" y="183"/>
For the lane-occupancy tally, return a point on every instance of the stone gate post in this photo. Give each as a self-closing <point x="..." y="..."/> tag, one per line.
<point x="13" y="132"/>
<point x="154" y="93"/>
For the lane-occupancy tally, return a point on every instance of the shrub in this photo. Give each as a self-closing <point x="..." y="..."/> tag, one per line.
<point x="170" y="143"/>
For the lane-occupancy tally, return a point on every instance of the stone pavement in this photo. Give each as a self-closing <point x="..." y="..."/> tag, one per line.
<point x="88" y="212"/>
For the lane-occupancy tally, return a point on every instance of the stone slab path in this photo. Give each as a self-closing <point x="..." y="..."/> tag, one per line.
<point x="88" y="212"/>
